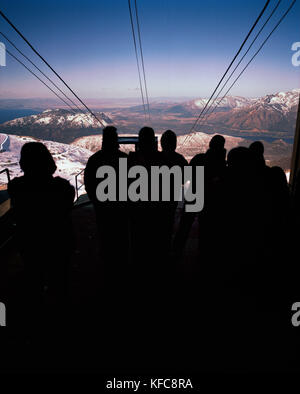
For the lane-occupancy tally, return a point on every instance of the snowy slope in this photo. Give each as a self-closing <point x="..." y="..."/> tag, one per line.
<point x="70" y="160"/>
<point x="196" y="143"/>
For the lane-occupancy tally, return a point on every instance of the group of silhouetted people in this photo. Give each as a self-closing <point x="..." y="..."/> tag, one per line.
<point x="135" y="232"/>
<point x="244" y="218"/>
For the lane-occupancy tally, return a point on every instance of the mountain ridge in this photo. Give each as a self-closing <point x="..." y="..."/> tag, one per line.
<point x="273" y="115"/>
<point x="59" y="125"/>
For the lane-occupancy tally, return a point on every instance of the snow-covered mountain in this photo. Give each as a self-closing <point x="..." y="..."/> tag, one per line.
<point x="271" y="113"/>
<point x="194" y="106"/>
<point x="70" y="160"/>
<point x="62" y="118"/>
<point x="282" y="101"/>
<point x="56" y="124"/>
<point x="191" y="107"/>
<point x="274" y="114"/>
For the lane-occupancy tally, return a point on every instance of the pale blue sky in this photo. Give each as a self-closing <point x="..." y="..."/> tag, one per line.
<point x="187" y="46"/>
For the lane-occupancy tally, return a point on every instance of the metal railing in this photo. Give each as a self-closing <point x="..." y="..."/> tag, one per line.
<point x="7" y="173"/>
<point x="76" y="183"/>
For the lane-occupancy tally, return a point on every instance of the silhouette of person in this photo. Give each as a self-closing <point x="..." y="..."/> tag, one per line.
<point x="168" y="144"/>
<point x="214" y="162"/>
<point x="248" y="210"/>
<point x="42" y="205"/>
<point x="278" y="200"/>
<point x="172" y="158"/>
<point x="149" y="220"/>
<point x="111" y="216"/>
<point x="274" y="194"/>
<point x="257" y="149"/>
<point x="215" y="157"/>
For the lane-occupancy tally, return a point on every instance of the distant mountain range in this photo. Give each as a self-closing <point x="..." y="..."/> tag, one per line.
<point x="193" y="107"/>
<point x="272" y="116"/>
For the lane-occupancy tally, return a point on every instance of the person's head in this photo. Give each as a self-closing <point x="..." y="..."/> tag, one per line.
<point x="168" y="141"/>
<point x="147" y="139"/>
<point x="239" y="159"/>
<point x="217" y="142"/>
<point x="216" y="154"/>
<point x="110" y="139"/>
<point x="257" y="148"/>
<point x="36" y="160"/>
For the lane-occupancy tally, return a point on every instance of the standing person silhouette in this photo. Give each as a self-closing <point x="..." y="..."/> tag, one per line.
<point x="111" y="216"/>
<point x="148" y="218"/>
<point x="42" y="204"/>
<point x="169" y="144"/>
<point x="210" y="222"/>
<point x="257" y="149"/>
<point x="172" y="158"/>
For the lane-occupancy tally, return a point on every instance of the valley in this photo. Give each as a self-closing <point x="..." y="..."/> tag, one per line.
<point x="73" y="137"/>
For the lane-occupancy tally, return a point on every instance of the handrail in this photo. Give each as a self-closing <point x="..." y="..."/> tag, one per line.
<point x="76" y="183"/>
<point x="7" y="173"/>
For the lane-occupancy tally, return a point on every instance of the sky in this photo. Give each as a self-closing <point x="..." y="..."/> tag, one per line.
<point x="187" y="46"/>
